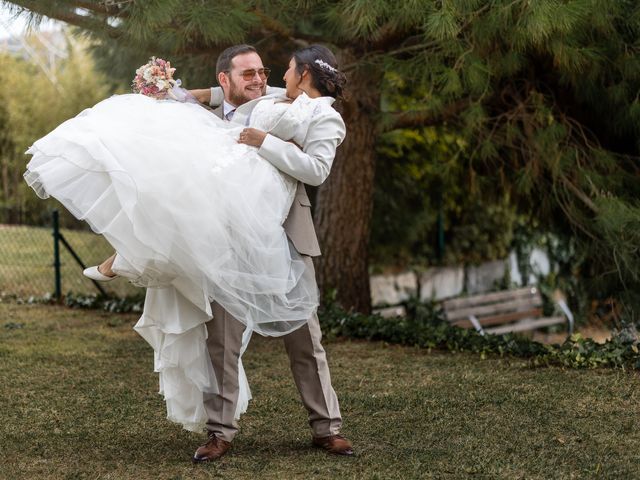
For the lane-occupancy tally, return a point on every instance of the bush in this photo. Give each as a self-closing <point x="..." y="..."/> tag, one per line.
<point x="425" y="326"/>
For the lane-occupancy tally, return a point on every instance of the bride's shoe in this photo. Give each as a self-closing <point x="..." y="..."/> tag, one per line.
<point x="94" y="274"/>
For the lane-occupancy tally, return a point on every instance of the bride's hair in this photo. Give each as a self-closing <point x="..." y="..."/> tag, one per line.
<point x="323" y="66"/>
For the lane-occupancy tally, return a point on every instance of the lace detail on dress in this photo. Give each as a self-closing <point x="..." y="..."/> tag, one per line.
<point x="266" y="114"/>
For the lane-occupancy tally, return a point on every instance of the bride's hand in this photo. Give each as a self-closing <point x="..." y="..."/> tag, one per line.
<point x="252" y="136"/>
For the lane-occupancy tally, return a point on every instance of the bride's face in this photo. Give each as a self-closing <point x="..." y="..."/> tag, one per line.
<point x="293" y="80"/>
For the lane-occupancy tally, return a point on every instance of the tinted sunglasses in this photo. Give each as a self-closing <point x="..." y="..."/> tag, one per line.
<point x="249" y="74"/>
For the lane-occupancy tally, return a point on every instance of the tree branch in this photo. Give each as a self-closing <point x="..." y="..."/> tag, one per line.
<point x="66" y="16"/>
<point x="106" y="7"/>
<point x="272" y="25"/>
<point x="422" y="118"/>
<point x="580" y="194"/>
<point x="392" y="37"/>
<point x="371" y="55"/>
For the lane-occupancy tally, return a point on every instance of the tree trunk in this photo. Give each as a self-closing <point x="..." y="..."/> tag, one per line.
<point x="345" y="201"/>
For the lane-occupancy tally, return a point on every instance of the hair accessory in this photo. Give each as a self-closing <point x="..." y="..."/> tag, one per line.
<point x="325" y="65"/>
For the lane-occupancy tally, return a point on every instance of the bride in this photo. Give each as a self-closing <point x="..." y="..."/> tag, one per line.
<point x="195" y="214"/>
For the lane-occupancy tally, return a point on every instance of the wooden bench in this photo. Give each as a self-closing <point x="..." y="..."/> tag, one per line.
<point x="505" y="312"/>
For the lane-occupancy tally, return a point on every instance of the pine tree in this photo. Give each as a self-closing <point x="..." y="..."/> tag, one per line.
<point x="545" y="94"/>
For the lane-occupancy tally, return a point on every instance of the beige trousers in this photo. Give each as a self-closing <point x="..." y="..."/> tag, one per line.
<point x="308" y="362"/>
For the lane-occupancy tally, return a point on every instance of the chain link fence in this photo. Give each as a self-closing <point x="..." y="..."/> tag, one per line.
<point x="27" y="261"/>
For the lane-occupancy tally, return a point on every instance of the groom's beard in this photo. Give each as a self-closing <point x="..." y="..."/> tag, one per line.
<point x="239" y="95"/>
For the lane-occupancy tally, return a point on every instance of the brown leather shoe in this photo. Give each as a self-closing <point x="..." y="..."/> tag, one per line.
<point x="336" y="444"/>
<point x="212" y="450"/>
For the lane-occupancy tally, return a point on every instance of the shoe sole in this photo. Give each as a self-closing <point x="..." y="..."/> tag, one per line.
<point x="350" y="453"/>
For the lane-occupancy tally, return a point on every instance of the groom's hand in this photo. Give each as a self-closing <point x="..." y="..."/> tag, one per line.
<point x="252" y="136"/>
<point x="203" y="95"/>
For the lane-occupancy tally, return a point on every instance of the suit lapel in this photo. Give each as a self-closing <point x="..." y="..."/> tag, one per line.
<point x="218" y="112"/>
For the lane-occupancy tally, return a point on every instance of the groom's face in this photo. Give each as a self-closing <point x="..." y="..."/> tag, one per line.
<point x="239" y="87"/>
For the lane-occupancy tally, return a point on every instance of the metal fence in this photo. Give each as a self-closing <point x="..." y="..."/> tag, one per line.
<point x="39" y="260"/>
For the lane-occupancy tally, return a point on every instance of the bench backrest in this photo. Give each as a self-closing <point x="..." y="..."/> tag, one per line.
<point x="495" y="308"/>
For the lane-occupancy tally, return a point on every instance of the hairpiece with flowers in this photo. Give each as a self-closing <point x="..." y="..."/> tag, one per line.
<point x="325" y="65"/>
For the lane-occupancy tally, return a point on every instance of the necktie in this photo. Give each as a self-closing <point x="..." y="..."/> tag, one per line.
<point x="229" y="115"/>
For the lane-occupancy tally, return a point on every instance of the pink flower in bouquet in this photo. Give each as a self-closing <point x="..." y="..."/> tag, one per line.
<point x="154" y="79"/>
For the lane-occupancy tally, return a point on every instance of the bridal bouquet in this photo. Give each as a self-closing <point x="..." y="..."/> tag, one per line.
<point x="155" y="79"/>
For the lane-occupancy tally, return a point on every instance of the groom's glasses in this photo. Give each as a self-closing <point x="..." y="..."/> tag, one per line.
<point x="248" y="75"/>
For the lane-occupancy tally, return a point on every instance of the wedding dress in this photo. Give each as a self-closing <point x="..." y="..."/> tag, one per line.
<point x="194" y="217"/>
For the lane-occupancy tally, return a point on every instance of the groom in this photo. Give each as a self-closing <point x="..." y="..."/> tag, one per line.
<point x="243" y="79"/>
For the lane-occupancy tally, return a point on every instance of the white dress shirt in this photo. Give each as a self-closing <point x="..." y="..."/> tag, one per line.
<point x="228" y="110"/>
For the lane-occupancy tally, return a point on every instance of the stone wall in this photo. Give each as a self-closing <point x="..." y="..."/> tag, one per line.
<point x="439" y="283"/>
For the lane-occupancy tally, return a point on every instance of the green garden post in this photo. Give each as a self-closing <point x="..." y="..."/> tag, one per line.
<point x="56" y="254"/>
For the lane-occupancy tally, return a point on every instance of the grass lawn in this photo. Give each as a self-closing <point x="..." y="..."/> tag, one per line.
<point x="79" y="401"/>
<point x="26" y="261"/>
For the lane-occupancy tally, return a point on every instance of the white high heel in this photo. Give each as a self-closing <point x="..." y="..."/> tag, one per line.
<point x="94" y="274"/>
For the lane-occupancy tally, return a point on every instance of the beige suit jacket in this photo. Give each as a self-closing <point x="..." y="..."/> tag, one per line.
<point x="299" y="224"/>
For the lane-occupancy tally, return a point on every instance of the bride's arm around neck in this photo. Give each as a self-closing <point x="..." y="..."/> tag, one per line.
<point x="214" y="96"/>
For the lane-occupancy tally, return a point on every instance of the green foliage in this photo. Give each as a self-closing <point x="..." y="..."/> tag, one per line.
<point x="92" y="301"/>
<point x="421" y="174"/>
<point x="33" y="105"/>
<point x="128" y="304"/>
<point x="426" y="327"/>
<point x="547" y="108"/>
<point x="543" y="93"/>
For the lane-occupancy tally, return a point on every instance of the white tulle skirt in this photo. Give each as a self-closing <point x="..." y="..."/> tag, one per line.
<point x="193" y="215"/>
